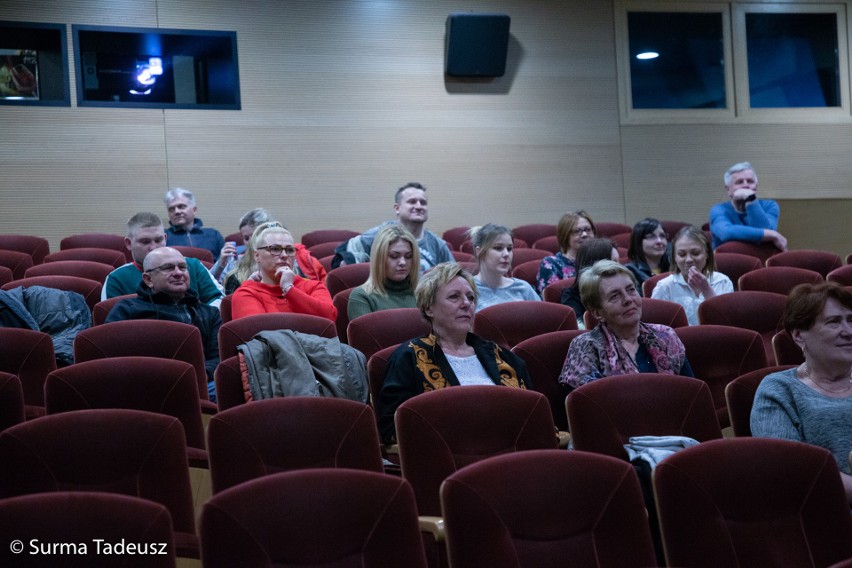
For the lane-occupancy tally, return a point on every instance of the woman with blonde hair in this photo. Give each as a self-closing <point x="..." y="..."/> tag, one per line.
<point x="492" y="245"/>
<point x="394" y="272"/>
<point x="573" y="230"/>
<point x="280" y="289"/>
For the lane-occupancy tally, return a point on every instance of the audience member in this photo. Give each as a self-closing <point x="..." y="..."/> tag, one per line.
<point x="745" y="217"/>
<point x="393" y="274"/>
<point x="695" y="278"/>
<point x="492" y="245"/>
<point x="648" y="251"/>
<point x="412" y="212"/>
<point x="280" y="289"/>
<point x="590" y="252"/>
<point x="621" y="343"/>
<point x="449" y="356"/>
<point x="304" y="264"/>
<point x="165" y="294"/>
<point x="185" y="230"/>
<point x="812" y="403"/>
<point x="145" y="234"/>
<point x="232" y="252"/>
<point x="573" y="230"/>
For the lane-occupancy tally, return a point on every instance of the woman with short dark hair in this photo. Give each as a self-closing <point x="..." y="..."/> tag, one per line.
<point x="812" y="403"/>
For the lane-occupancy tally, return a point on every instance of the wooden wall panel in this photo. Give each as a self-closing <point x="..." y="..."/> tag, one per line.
<point x="344" y="100"/>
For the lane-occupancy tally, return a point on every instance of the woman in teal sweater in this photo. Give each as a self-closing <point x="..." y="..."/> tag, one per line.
<point x="394" y="269"/>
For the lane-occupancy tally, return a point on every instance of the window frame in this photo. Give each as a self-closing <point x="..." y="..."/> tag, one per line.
<point x="737" y="96"/>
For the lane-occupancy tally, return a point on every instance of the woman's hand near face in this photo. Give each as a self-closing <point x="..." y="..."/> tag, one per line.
<point x="285" y="277"/>
<point x="697" y="281"/>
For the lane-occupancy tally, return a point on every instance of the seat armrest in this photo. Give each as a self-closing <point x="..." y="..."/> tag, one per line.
<point x="433" y="525"/>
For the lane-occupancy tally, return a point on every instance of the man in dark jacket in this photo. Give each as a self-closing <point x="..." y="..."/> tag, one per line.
<point x="165" y="294"/>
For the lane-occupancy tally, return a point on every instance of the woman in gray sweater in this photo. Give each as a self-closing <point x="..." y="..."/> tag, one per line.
<point x="812" y="403"/>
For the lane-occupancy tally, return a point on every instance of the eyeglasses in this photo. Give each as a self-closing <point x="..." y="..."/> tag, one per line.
<point x="278" y="250"/>
<point x="656" y="236"/>
<point x="166" y="268"/>
<point x="580" y="231"/>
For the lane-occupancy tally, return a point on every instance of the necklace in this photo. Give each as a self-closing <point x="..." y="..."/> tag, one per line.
<point x="846" y="383"/>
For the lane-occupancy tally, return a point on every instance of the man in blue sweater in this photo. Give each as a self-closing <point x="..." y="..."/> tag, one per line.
<point x="745" y="217"/>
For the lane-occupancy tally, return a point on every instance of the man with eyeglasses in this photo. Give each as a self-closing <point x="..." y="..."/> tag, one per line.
<point x="145" y="234"/>
<point x="745" y="217"/>
<point x="412" y="211"/>
<point x="165" y="294"/>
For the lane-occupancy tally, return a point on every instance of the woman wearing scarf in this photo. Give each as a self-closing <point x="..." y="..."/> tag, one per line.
<point x="621" y="343"/>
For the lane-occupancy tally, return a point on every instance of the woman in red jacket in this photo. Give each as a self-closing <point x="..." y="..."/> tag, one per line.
<point x="280" y="289"/>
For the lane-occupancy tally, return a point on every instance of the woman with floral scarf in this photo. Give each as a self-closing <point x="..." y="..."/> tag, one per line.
<point x="621" y="343"/>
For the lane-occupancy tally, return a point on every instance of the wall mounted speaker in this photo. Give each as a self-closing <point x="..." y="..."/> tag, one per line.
<point x="477" y="45"/>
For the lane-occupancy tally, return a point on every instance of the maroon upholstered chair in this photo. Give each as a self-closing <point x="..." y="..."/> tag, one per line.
<point x="526" y="271"/>
<point x="96" y="240"/>
<point x="241" y="330"/>
<point x="201" y="254"/>
<point x="605" y="413"/>
<point x="29" y="355"/>
<point x="229" y="385"/>
<point x="821" y="261"/>
<point x="11" y="401"/>
<point x="650" y="283"/>
<point x="36" y="247"/>
<point x="663" y="312"/>
<point x="740" y="396"/>
<point x="130" y="452"/>
<point x="544" y="355"/>
<point x="236" y="238"/>
<point x="443" y="430"/>
<point x="672" y="227"/>
<point x="510" y="323"/>
<point x="550" y="244"/>
<point x="533" y="231"/>
<point x="596" y="517"/>
<point x="81" y="517"/>
<point x="842" y="275"/>
<point x="785" y="349"/>
<point x="522" y="255"/>
<point x="309" y="432"/>
<point x="461" y="256"/>
<point x="733" y="265"/>
<point x="341" y="303"/>
<point x="778" y="279"/>
<point x="312" y="238"/>
<point x="226" y="308"/>
<point x="102" y="308"/>
<point x="622" y="240"/>
<point x="347" y="276"/>
<point x="553" y="291"/>
<point x="761" y="251"/>
<point x="720" y="354"/>
<point x="89" y="289"/>
<point x="604" y="229"/>
<point x="138" y="383"/>
<point x="373" y="332"/>
<point x="5" y="275"/>
<point x="105" y="256"/>
<point x="16" y="261"/>
<point x="324" y="517"/>
<point x="758" y="311"/>
<point x="377" y="367"/>
<point x="147" y="338"/>
<point x="455" y="237"/>
<point x="754" y="502"/>
<point x="96" y="271"/>
<point x="321" y="250"/>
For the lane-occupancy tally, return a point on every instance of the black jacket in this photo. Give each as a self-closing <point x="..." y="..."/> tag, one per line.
<point x="150" y="305"/>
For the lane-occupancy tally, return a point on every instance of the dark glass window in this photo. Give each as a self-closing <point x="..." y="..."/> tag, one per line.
<point x="689" y="72"/>
<point x="792" y="60"/>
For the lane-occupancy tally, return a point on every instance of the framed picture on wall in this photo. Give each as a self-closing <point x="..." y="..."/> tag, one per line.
<point x="19" y="74"/>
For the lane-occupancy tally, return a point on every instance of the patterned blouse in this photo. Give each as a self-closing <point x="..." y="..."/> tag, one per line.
<point x="553" y="268"/>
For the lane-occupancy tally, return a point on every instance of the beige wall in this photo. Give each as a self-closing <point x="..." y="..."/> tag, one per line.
<point x="344" y="100"/>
